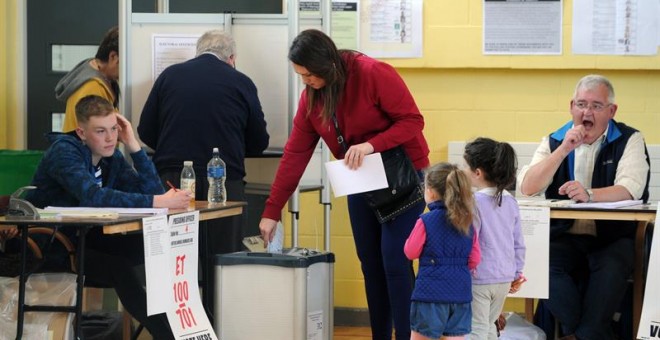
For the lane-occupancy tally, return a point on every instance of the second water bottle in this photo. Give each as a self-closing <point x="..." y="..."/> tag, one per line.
<point x="188" y="177"/>
<point x="216" y="176"/>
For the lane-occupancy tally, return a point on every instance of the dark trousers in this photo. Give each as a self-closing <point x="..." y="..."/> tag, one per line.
<point x="588" y="312"/>
<point x="114" y="261"/>
<point x="388" y="275"/>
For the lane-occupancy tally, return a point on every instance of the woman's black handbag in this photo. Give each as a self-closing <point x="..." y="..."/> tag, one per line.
<point x="404" y="185"/>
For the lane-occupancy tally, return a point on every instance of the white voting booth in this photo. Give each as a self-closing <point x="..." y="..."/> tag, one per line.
<point x="152" y="41"/>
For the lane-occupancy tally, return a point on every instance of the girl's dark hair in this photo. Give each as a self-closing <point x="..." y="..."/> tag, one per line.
<point x="453" y="186"/>
<point x="315" y="51"/>
<point x="109" y="44"/>
<point x="497" y="160"/>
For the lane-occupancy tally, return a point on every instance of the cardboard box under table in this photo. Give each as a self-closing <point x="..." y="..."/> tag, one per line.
<point x="274" y="296"/>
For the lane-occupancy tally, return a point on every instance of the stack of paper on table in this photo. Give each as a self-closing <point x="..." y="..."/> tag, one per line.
<point x="535" y="202"/>
<point x="541" y="202"/>
<point x="607" y="205"/>
<point x="93" y="212"/>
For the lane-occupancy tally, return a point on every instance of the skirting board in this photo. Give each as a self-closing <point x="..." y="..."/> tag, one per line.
<point x="353" y="317"/>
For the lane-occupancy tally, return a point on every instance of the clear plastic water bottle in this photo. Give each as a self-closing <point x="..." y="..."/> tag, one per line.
<point x="216" y="176"/>
<point x="188" y="177"/>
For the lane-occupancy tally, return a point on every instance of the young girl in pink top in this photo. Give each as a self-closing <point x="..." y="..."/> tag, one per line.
<point x="447" y="248"/>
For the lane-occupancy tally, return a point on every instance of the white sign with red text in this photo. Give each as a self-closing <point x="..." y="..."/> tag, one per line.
<point x="649" y="325"/>
<point x="186" y="314"/>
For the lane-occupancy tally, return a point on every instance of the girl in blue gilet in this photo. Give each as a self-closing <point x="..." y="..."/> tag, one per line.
<point x="446" y="245"/>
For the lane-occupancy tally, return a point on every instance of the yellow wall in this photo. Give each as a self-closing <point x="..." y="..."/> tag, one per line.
<point x="3" y="75"/>
<point x="464" y="94"/>
<point x="11" y="134"/>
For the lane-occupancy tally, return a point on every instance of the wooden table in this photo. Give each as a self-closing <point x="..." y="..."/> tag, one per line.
<point x="207" y="211"/>
<point x="120" y="225"/>
<point x="643" y="214"/>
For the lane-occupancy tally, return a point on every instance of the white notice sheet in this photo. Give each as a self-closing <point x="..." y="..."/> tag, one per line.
<point x="370" y="176"/>
<point x="535" y="223"/>
<point x="649" y="325"/>
<point x="617" y="27"/>
<point x="170" y="49"/>
<point x="391" y="28"/>
<point x="522" y="27"/>
<point x="156" y="262"/>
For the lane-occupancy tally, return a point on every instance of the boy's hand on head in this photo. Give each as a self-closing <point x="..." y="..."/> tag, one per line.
<point x="126" y="134"/>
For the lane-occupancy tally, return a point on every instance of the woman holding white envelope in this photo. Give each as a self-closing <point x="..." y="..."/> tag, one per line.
<point x="366" y="102"/>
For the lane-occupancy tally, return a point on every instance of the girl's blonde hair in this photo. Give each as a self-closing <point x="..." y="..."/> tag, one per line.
<point x="454" y="189"/>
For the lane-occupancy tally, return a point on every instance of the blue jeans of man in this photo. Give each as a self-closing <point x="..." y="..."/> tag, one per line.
<point x="587" y="311"/>
<point x="388" y="275"/>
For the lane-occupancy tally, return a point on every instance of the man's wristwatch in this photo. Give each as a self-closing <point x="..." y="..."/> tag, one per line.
<point x="590" y="193"/>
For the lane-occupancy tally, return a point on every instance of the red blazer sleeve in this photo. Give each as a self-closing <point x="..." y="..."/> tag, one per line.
<point x="297" y="153"/>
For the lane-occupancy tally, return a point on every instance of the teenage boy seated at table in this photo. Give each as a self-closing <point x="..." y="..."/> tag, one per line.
<point x="84" y="168"/>
<point x="592" y="158"/>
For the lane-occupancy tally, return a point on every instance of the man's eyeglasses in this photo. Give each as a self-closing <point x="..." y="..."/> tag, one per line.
<point x="595" y="107"/>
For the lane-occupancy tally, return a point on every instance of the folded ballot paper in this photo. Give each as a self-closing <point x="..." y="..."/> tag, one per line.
<point x="275" y="246"/>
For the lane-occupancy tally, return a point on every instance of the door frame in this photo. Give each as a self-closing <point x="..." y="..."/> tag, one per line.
<point x="20" y="71"/>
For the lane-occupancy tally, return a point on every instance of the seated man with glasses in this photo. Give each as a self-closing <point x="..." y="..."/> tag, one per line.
<point x="591" y="158"/>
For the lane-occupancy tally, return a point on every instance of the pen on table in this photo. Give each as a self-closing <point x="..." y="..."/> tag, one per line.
<point x="171" y="185"/>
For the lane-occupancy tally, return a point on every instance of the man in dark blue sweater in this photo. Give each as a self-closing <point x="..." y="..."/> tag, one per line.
<point x="200" y="104"/>
<point x="195" y="106"/>
<point x="592" y="158"/>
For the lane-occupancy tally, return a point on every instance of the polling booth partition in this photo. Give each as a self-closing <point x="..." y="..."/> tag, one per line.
<point x="152" y="41"/>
